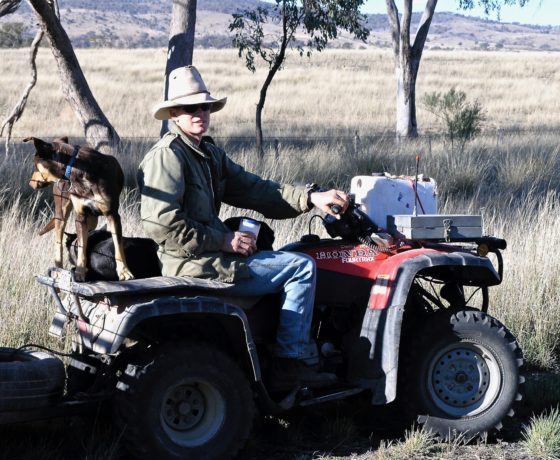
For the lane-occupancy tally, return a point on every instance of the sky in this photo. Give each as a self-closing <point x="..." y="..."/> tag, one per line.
<point x="542" y="12"/>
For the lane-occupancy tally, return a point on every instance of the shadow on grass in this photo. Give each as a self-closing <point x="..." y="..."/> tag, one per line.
<point x="338" y="429"/>
<point x="72" y="438"/>
<point x="341" y="429"/>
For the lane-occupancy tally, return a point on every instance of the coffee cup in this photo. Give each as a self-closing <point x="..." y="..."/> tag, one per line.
<point x="249" y="226"/>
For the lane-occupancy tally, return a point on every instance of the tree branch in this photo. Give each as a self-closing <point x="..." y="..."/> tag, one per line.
<point x="20" y="106"/>
<point x="98" y="130"/>
<point x="8" y="6"/>
<point x="423" y="28"/>
<point x="393" y="16"/>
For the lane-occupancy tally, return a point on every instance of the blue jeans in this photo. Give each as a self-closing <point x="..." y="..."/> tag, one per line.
<point x="293" y="275"/>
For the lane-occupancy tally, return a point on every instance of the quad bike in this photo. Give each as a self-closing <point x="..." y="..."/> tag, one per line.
<point x="185" y="366"/>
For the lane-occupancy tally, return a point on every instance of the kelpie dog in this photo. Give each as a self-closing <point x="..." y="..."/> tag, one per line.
<point x="90" y="183"/>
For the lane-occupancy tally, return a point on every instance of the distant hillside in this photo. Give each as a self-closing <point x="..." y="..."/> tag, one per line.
<point x="144" y="23"/>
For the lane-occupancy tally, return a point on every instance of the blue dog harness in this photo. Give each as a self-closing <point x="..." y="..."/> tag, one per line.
<point x="71" y="162"/>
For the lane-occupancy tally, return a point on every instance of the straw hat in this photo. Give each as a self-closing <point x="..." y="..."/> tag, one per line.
<point x="186" y="87"/>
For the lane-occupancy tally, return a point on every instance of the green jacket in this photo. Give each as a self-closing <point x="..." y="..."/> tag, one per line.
<point x="182" y="186"/>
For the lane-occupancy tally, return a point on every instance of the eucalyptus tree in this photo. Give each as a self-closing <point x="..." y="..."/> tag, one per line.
<point x="407" y="54"/>
<point x="319" y="20"/>
<point x="98" y="130"/>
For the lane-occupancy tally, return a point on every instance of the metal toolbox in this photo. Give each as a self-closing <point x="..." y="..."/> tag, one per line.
<point x="435" y="226"/>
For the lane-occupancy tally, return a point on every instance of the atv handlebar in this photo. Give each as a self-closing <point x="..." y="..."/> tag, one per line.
<point x="353" y="224"/>
<point x="336" y="209"/>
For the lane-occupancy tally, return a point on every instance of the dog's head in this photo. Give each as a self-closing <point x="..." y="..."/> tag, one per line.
<point x="45" y="161"/>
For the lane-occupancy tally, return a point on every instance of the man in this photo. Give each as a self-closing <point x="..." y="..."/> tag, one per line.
<point x="183" y="181"/>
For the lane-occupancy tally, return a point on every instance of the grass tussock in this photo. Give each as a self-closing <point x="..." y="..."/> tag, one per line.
<point x="417" y="443"/>
<point x="542" y="436"/>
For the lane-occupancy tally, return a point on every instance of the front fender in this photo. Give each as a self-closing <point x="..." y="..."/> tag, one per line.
<point x="376" y="360"/>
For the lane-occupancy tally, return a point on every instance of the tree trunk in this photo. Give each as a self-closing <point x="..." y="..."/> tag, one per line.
<point x="258" y="127"/>
<point x="278" y="60"/>
<point x="98" y="131"/>
<point x="181" y="42"/>
<point x="407" y="61"/>
<point x="406" y="98"/>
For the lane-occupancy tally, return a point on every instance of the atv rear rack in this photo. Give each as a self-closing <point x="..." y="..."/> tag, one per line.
<point x="112" y="292"/>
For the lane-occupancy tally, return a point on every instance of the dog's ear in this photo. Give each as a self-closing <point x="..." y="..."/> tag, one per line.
<point x="40" y="145"/>
<point x="63" y="140"/>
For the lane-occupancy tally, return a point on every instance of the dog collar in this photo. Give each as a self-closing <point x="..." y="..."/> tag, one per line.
<point x="71" y="163"/>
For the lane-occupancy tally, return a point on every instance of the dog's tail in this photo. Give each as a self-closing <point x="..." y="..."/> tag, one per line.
<point x="47" y="228"/>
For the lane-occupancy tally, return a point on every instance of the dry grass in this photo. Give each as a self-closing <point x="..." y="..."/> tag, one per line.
<point x="521" y="207"/>
<point x="334" y="92"/>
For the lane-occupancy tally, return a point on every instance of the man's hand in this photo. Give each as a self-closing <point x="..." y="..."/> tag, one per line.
<point x="240" y="243"/>
<point x="324" y="201"/>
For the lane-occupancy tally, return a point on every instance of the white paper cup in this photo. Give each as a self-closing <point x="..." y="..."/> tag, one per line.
<point x="249" y="226"/>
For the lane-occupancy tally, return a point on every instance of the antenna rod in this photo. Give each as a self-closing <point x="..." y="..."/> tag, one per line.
<point x="416" y="185"/>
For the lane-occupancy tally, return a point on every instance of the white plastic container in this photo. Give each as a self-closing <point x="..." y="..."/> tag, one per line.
<point x="383" y="195"/>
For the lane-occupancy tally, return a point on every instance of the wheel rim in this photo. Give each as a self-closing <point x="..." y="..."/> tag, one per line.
<point x="192" y="412"/>
<point x="464" y="379"/>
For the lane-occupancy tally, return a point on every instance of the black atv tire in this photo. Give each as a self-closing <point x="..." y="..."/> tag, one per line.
<point x="463" y="374"/>
<point x="29" y="379"/>
<point x="188" y="401"/>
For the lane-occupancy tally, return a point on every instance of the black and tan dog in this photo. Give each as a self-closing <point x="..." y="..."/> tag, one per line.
<point x="90" y="183"/>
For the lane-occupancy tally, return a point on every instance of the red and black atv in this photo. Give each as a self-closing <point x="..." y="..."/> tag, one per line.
<point x="185" y="366"/>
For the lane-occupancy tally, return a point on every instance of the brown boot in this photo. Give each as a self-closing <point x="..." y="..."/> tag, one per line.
<point x="287" y="373"/>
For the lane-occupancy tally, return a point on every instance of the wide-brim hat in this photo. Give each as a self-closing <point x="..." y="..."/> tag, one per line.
<point x="186" y="87"/>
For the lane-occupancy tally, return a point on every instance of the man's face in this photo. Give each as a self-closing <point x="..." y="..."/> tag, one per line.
<point x="193" y="120"/>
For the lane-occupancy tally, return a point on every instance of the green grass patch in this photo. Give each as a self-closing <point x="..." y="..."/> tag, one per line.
<point x="542" y="435"/>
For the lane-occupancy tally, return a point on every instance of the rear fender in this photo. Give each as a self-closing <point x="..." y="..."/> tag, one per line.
<point x="376" y="360"/>
<point x="110" y="326"/>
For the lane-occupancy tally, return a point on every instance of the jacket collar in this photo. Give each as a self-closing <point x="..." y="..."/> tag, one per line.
<point x="174" y="129"/>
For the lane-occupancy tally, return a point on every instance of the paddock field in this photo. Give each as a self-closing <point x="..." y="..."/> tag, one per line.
<point x="315" y="107"/>
<point x="334" y="92"/>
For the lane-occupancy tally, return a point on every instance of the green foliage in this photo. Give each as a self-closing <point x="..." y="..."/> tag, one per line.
<point x="490" y="5"/>
<point x="542" y="436"/>
<point x="12" y="35"/>
<point x="320" y="20"/>
<point x="463" y="120"/>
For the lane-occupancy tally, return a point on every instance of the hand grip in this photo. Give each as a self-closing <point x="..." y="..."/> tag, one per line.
<point x="336" y="209"/>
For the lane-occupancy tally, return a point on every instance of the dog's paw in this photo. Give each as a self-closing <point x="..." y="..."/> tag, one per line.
<point x="125" y="274"/>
